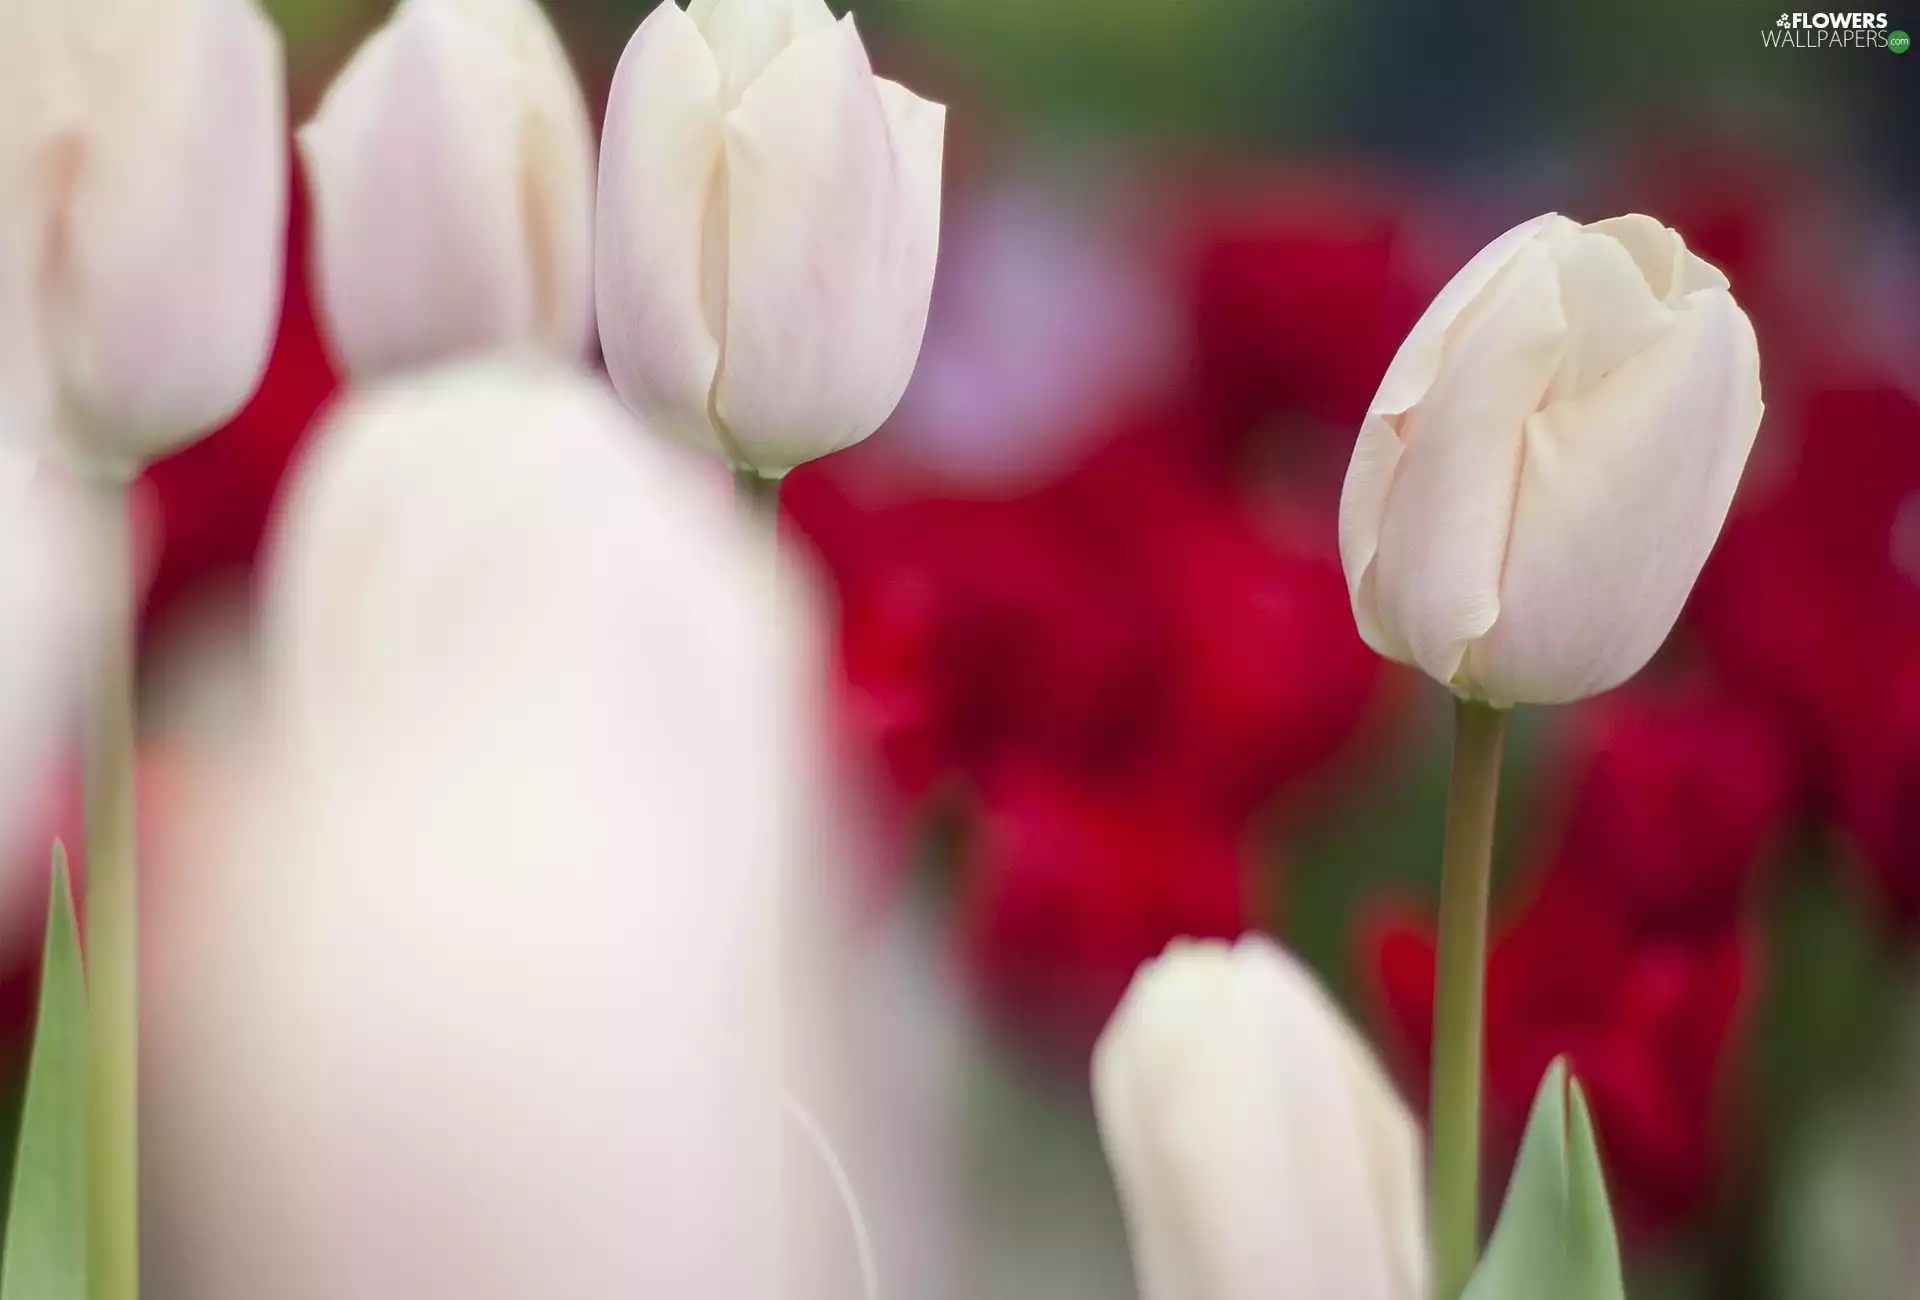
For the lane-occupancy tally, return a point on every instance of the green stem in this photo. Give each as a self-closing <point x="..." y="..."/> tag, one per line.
<point x="1459" y="999"/>
<point x="112" y="912"/>
<point x="758" y="496"/>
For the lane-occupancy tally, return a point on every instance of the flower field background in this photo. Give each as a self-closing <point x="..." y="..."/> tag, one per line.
<point x="1094" y="666"/>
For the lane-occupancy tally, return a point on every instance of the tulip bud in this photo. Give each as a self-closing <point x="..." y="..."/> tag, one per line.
<point x="452" y="174"/>
<point x="1258" y="1148"/>
<point x="1548" y="461"/>
<point x="143" y="190"/>
<point x="769" y="215"/>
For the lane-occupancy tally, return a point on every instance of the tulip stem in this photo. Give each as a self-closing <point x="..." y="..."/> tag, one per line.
<point x="759" y="496"/>
<point x="112" y="910"/>
<point x="1459" y="999"/>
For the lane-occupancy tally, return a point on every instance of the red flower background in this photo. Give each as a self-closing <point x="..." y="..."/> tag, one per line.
<point x="1124" y="688"/>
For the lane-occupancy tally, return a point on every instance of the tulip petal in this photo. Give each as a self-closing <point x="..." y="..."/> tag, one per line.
<point x="37" y="107"/>
<point x="1363" y="507"/>
<point x="1392" y="1158"/>
<point x="833" y="224"/>
<point x="1623" y="492"/>
<point x="422" y="248"/>
<point x="1611" y="307"/>
<point x="1671" y="270"/>
<point x="1253" y="1136"/>
<point x="659" y="263"/>
<point x="1443" y="538"/>
<point x="172" y="255"/>
<point x="557" y="172"/>
<point x="1417" y="364"/>
<point x="746" y="35"/>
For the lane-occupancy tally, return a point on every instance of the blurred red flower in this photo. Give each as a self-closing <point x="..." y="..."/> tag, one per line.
<point x="1126" y="625"/>
<point x="213" y="500"/>
<point x="1632" y="954"/>
<point x="1672" y="803"/>
<point x="1811" y="609"/>
<point x="1880" y="796"/>
<point x="1810" y="603"/>
<point x="1067" y="892"/>
<point x="1648" y="1021"/>
<point x="1300" y="299"/>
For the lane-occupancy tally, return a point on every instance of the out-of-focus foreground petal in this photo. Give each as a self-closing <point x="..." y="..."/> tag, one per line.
<point x="40" y="619"/>
<point x="472" y="993"/>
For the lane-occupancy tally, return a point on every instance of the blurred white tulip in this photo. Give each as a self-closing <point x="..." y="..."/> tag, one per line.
<point x="41" y="563"/>
<point x="469" y="993"/>
<point x="143" y="190"/>
<point x="1258" y="1148"/>
<point x="769" y="214"/>
<point x="451" y="167"/>
<point x="1549" y="460"/>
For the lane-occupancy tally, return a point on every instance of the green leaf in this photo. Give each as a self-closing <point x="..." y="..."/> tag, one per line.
<point x="1555" y="1237"/>
<point x="46" y="1243"/>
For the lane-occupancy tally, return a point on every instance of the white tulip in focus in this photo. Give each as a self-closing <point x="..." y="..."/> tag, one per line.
<point x="769" y="214"/>
<point x="1549" y="460"/>
<point x="143" y="184"/>
<point x="1258" y="1148"/>
<point x="468" y="993"/>
<point x="451" y="167"/>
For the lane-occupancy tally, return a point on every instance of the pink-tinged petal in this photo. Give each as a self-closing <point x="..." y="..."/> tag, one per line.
<point x="833" y="225"/>
<point x="42" y="581"/>
<point x="1363" y="508"/>
<point x="167" y="273"/>
<point x="1417" y="364"/>
<point x="420" y="249"/>
<point x="1443" y="540"/>
<point x="38" y="106"/>
<point x="1622" y="495"/>
<point x="660" y="251"/>
<point x="28" y="384"/>
<point x="747" y="35"/>
<point x="557" y="172"/>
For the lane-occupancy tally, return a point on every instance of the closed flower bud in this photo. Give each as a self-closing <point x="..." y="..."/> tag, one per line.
<point x="142" y="220"/>
<point x="452" y="172"/>
<point x="769" y="213"/>
<point x="1258" y="1147"/>
<point x="1548" y="461"/>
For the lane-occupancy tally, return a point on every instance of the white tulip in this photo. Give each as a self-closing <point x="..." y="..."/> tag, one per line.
<point x="479" y="1005"/>
<point x="143" y="190"/>
<point x="452" y="172"/>
<point x="1259" y="1150"/>
<point x="41" y="566"/>
<point x="769" y="214"/>
<point x="1549" y="460"/>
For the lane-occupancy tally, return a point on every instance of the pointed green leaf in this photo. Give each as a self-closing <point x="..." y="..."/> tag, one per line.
<point x="46" y="1242"/>
<point x="1555" y="1236"/>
